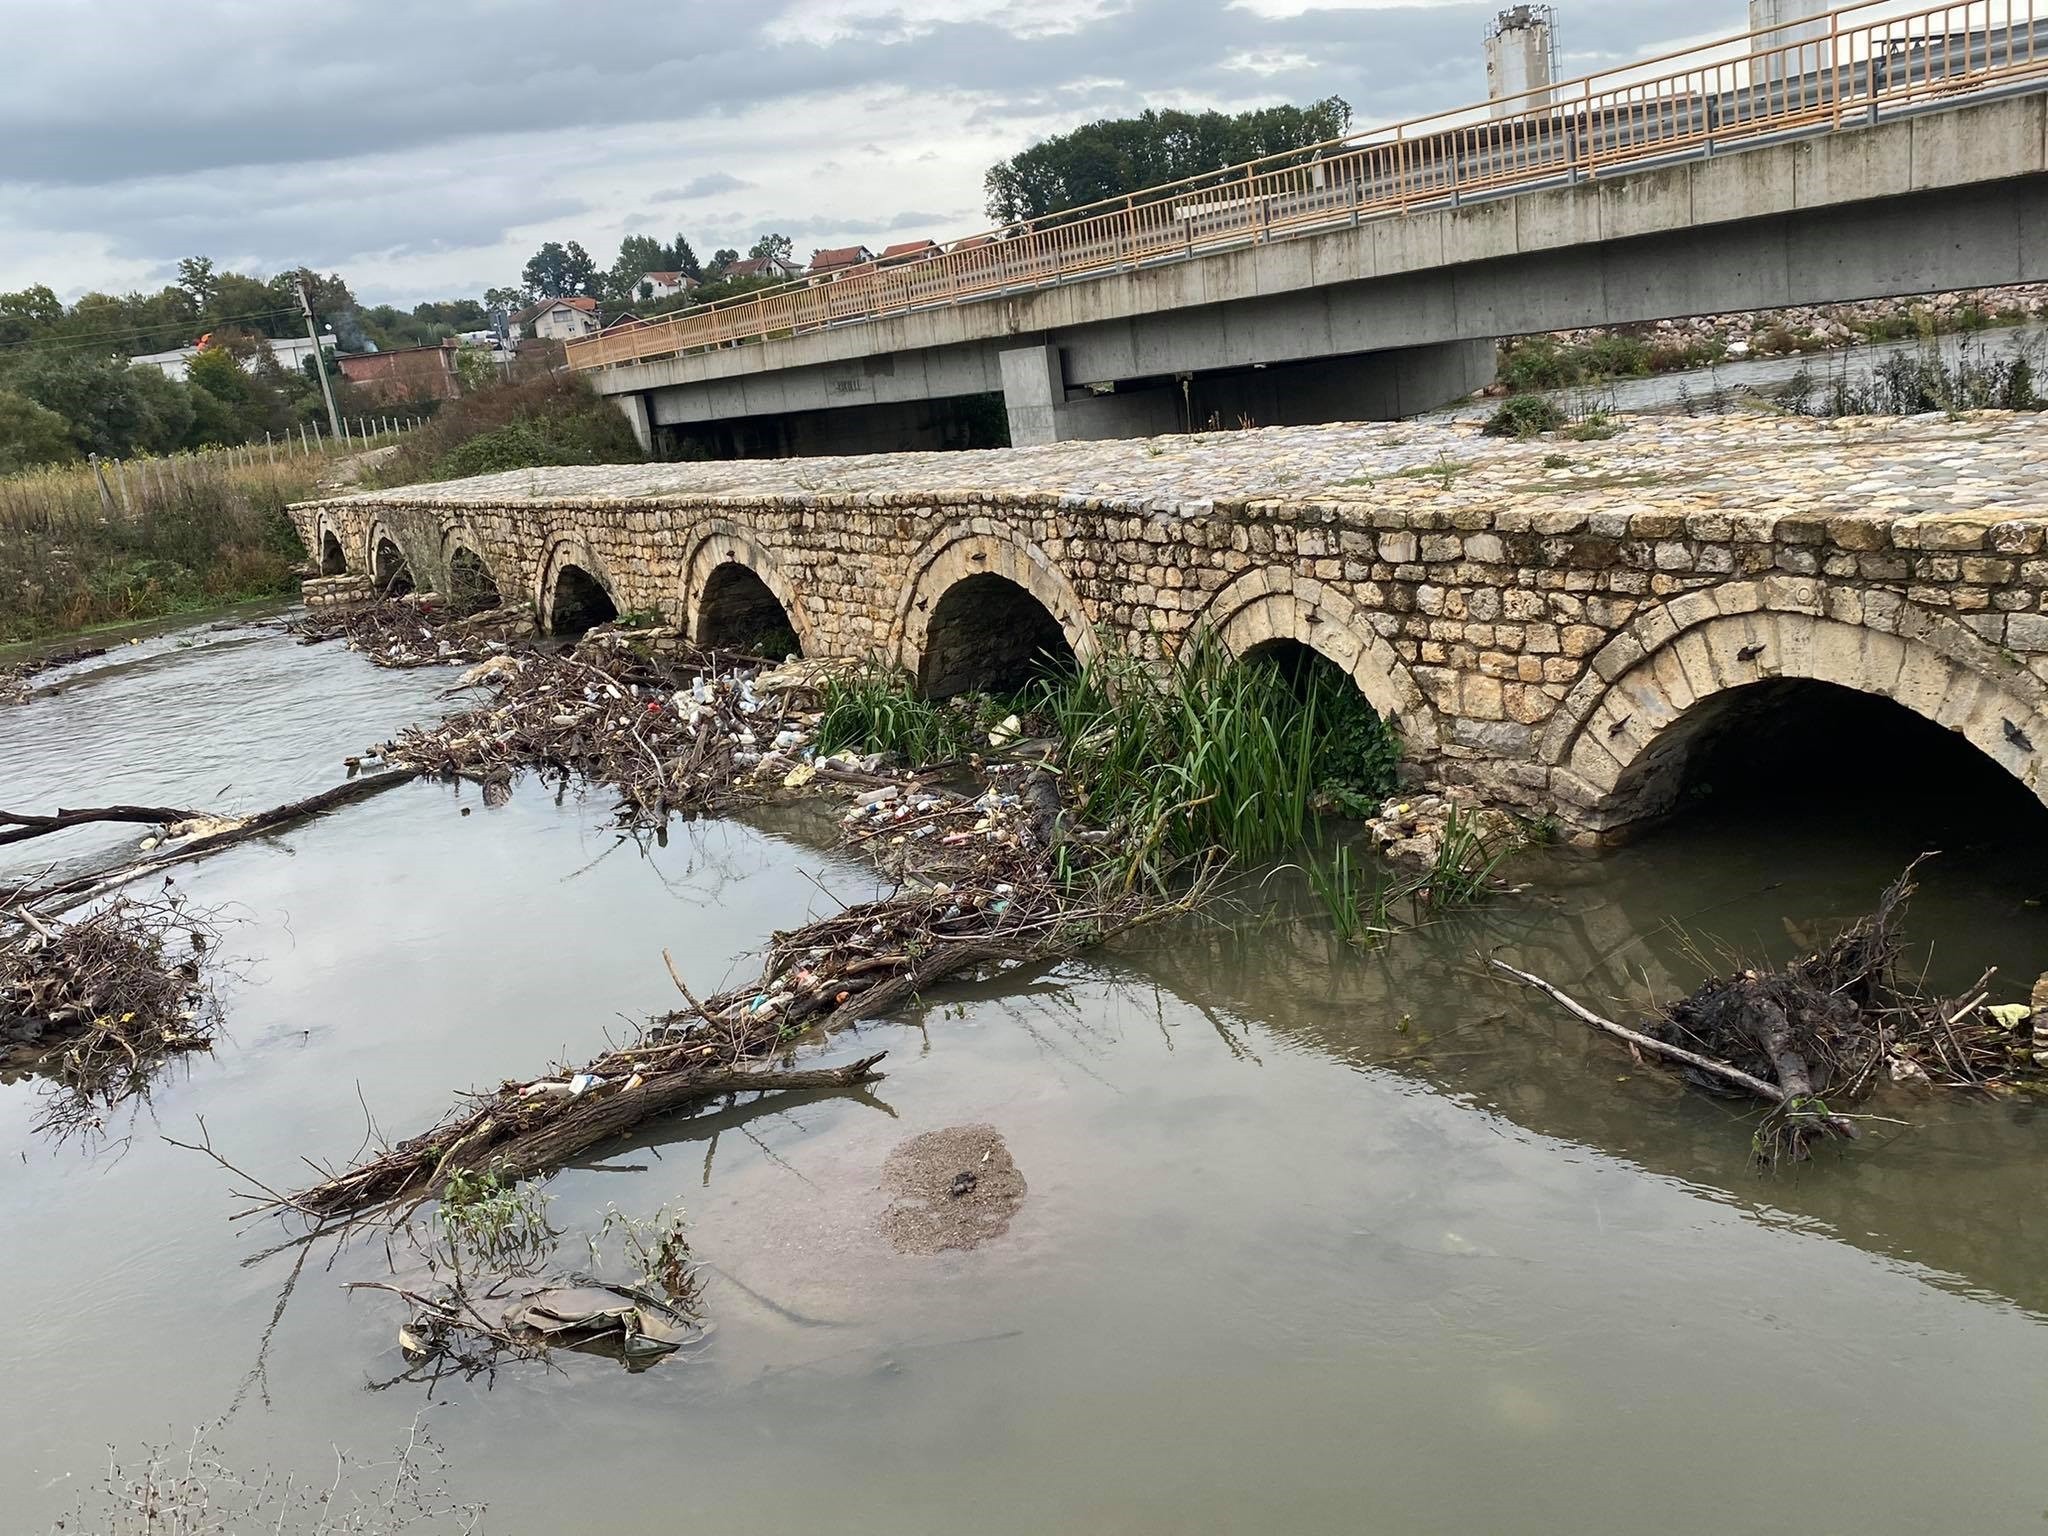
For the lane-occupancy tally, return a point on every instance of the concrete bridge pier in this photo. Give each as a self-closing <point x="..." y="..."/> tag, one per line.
<point x="1366" y="386"/>
<point x="634" y="408"/>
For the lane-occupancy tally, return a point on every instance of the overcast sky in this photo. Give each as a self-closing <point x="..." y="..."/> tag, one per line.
<point x="425" y="149"/>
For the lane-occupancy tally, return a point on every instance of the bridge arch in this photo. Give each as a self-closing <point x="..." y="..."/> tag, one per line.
<point x="387" y="560"/>
<point x="733" y="591"/>
<point x="1271" y="604"/>
<point x="575" y="591"/>
<point x="328" y="549"/>
<point x="981" y="603"/>
<point x="472" y="585"/>
<point x="1692" y="671"/>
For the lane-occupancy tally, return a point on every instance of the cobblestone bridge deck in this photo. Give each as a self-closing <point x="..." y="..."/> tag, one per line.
<point x="1560" y="621"/>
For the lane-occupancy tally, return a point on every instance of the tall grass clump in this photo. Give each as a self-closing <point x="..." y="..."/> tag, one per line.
<point x="1214" y="754"/>
<point x="185" y="534"/>
<point x="874" y="708"/>
<point x="1369" y="904"/>
<point x="1913" y="384"/>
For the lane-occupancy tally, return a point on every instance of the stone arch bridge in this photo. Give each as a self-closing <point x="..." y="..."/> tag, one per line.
<point x="1566" y="624"/>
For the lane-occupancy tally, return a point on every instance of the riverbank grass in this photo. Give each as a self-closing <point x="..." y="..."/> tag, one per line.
<point x="198" y="535"/>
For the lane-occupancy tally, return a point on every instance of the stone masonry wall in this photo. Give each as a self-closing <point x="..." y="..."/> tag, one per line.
<point x="1537" y="638"/>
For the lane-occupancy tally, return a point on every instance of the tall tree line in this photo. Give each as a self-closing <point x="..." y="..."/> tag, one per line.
<point x="1116" y="156"/>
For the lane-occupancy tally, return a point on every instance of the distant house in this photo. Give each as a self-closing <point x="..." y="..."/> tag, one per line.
<point x="662" y="285"/>
<point x="625" y="320"/>
<point x="405" y="373"/>
<point x="837" y="263"/>
<point x="558" y="319"/>
<point x="908" y="251"/>
<point x="777" y="269"/>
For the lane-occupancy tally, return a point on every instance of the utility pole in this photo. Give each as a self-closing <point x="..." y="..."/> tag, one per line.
<point x="319" y="358"/>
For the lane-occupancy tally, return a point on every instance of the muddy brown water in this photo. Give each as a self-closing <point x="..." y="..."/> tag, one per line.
<point x="1313" y="1240"/>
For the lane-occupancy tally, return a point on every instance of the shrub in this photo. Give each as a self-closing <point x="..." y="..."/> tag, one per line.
<point x="1617" y="356"/>
<point x="1524" y="416"/>
<point x="1596" y="427"/>
<point x="556" y="419"/>
<point x="1537" y="362"/>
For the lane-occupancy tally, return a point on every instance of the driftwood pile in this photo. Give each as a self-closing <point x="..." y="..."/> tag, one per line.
<point x="404" y="633"/>
<point x="1821" y="1035"/>
<point x="1005" y="901"/>
<point x="100" y="1002"/>
<point x="17" y="682"/>
<point x="667" y="729"/>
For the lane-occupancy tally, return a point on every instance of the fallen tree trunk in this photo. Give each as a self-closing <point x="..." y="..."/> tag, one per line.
<point x="546" y="1149"/>
<point x="23" y="826"/>
<point x="67" y="894"/>
<point x="516" y="1137"/>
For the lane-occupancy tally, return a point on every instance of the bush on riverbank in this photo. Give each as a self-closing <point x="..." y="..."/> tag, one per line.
<point x="202" y="535"/>
<point x="556" y="419"/>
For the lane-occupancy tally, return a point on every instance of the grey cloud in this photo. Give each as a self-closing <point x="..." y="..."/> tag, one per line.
<point x="111" y="115"/>
<point x="312" y="148"/>
<point x="911" y="219"/>
<point x="705" y="186"/>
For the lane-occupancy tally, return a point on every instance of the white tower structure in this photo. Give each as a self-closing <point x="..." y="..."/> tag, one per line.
<point x="1789" y="24"/>
<point x="1521" y="58"/>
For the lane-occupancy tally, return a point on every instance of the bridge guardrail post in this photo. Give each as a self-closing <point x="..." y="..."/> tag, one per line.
<point x="1835" y="67"/>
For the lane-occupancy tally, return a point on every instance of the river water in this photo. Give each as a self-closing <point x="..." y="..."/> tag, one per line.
<point x="1314" y="1240"/>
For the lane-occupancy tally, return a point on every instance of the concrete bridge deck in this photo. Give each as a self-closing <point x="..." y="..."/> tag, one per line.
<point x="1864" y="154"/>
<point x="1562" y="622"/>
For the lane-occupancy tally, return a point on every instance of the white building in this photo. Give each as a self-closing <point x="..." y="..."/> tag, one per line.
<point x="558" y="319"/>
<point x="662" y="285"/>
<point x="290" y="352"/>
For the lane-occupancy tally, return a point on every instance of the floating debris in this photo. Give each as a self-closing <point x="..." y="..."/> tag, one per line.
<point x="417" y="630"/>
<point x="1831" y="1029"/>
<point x="97" y="1004"/>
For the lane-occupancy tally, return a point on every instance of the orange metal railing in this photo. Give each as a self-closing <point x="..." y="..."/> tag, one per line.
<point x="1847" y="66"/>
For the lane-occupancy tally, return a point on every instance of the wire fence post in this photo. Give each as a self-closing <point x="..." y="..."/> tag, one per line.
<point x="99" y="475"/>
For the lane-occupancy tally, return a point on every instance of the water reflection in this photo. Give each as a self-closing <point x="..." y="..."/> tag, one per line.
<point x="1315" y="1240"/>
<point x="1949" y="1191"/>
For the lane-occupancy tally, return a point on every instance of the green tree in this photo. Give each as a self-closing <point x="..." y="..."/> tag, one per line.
<point x="637" y="254"/>
<point x="581" y="271"/>
<point x="547" y="275"/>
<point x="720" y="260"/>
<point x="250" y="396"/>
<point x="453" y="315"/>
<point x="1116" y="156"/>
<point x="28" y="314"/>
<point x="96" y="395"/>
<point x="32" y="434"/>
<point x="167" y="413"/>
<point x="772" y="245"/>
<point x="239" y="300"/>
<point x="678" y="257"/>
<point x="195" y="276"/>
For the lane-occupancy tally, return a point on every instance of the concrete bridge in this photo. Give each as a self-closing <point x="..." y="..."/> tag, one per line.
<point x="1369" y="278"/>
<point x="1575" y="626"/>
